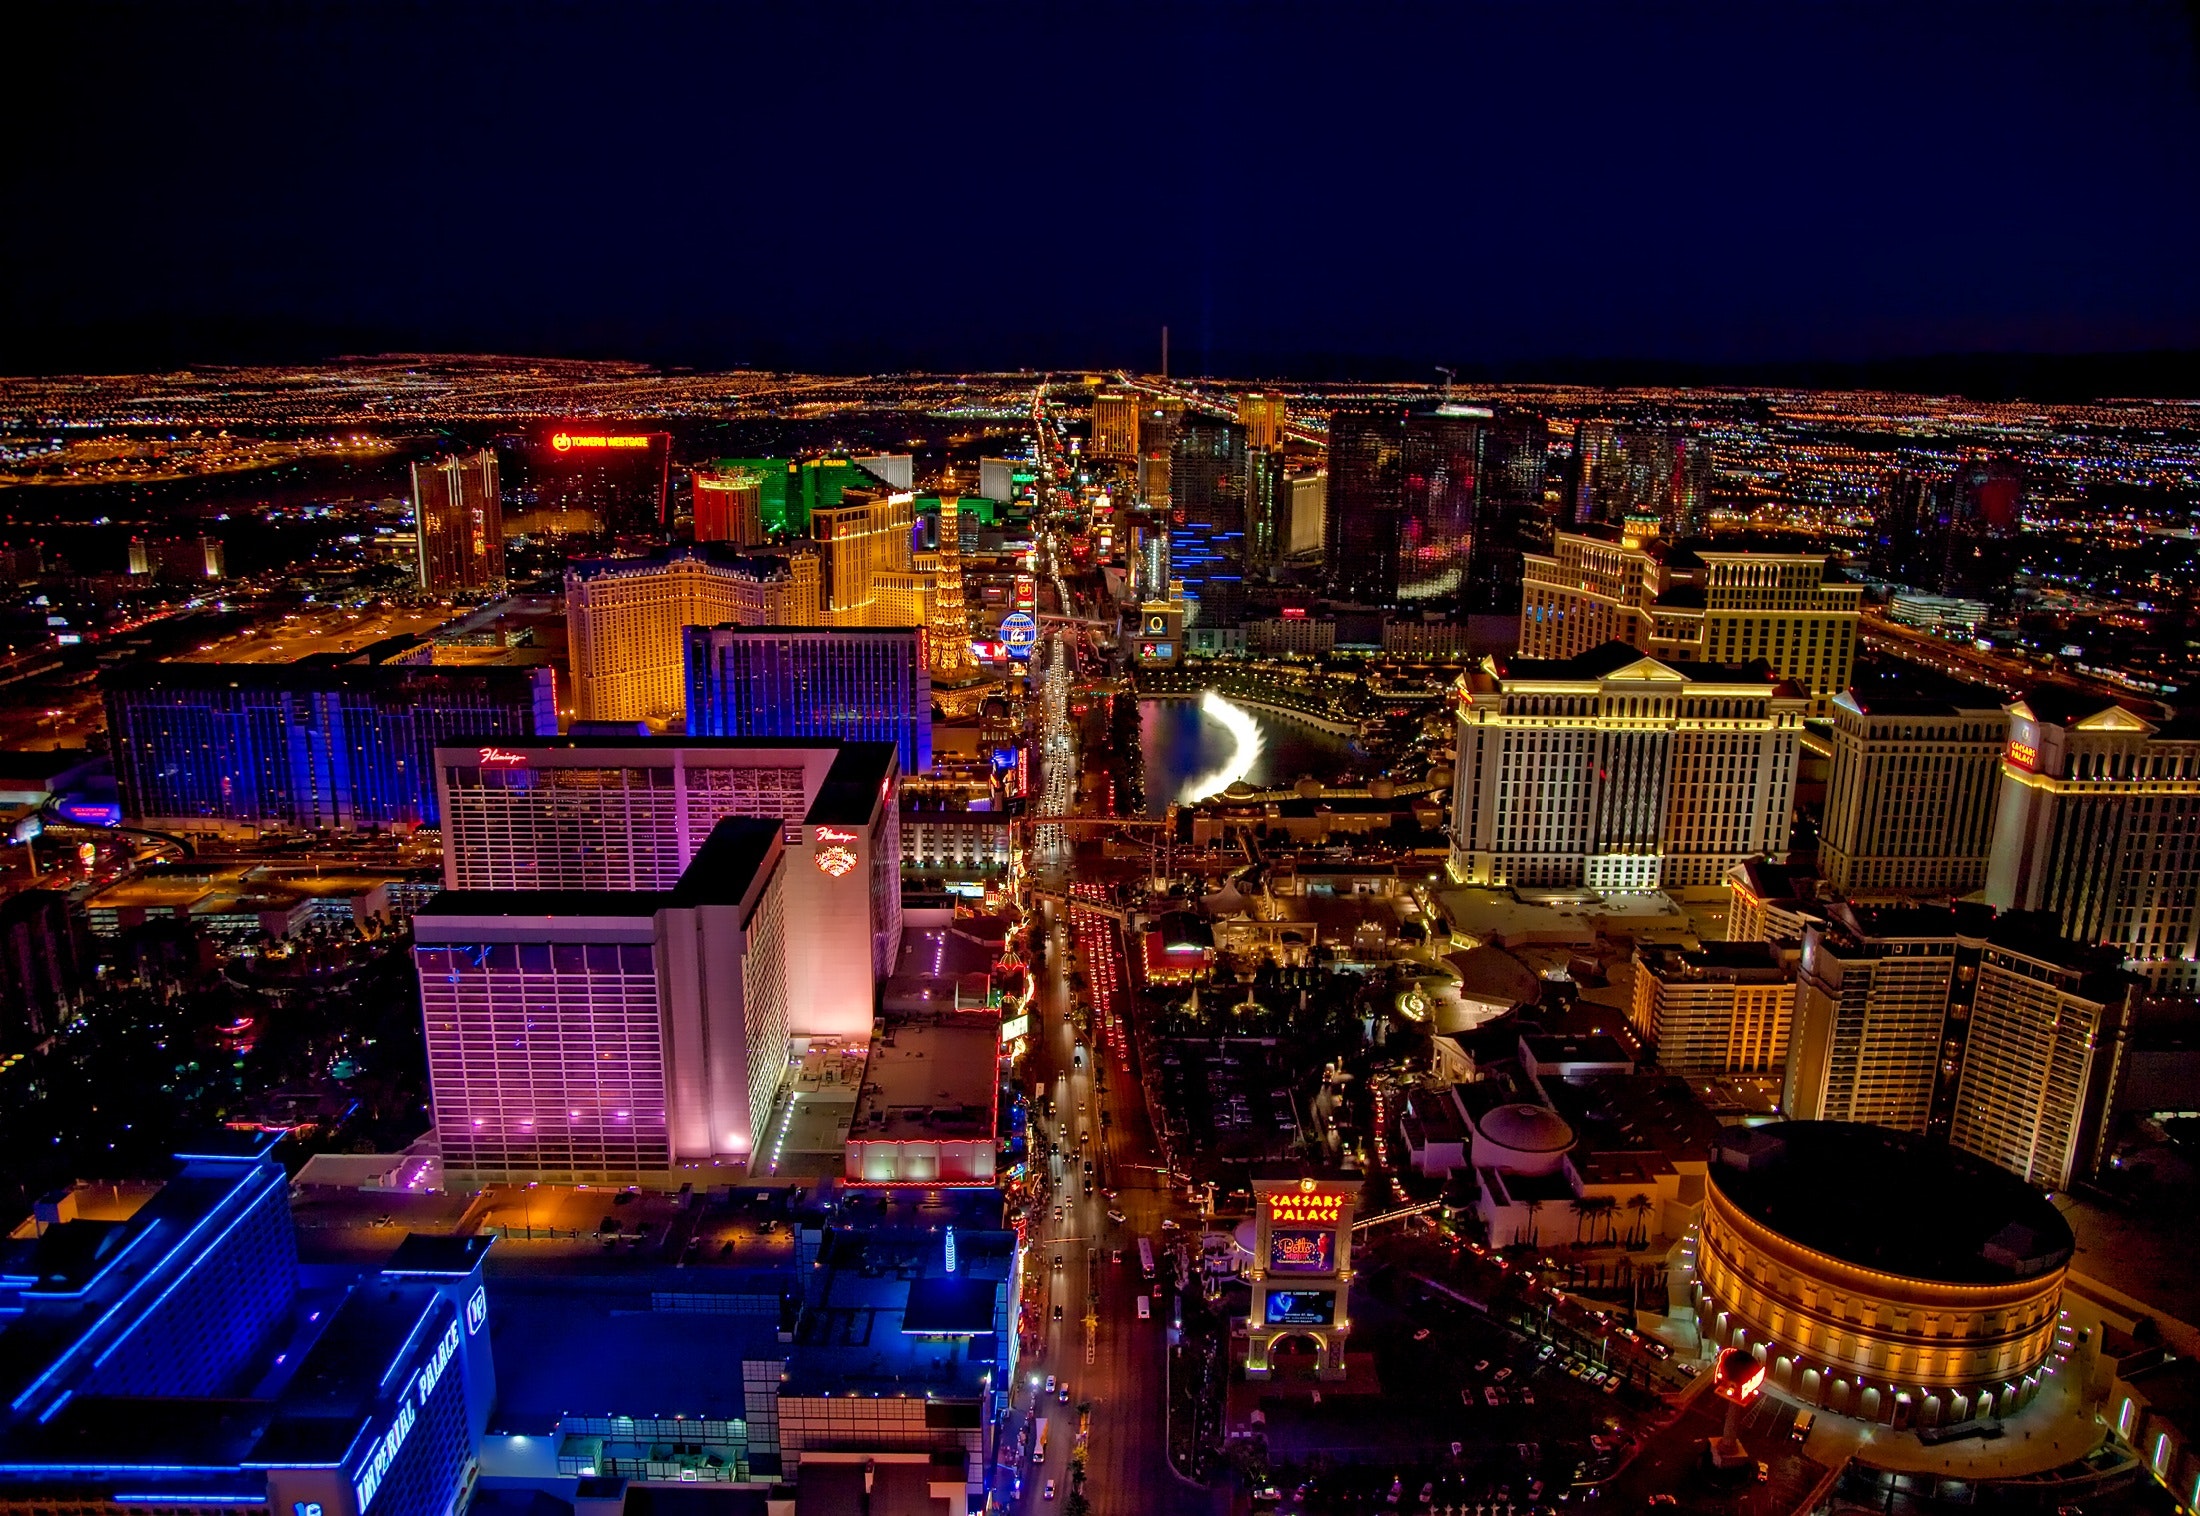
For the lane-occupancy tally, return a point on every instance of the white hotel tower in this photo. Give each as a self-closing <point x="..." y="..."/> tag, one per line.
<point x="1614" y="770"/>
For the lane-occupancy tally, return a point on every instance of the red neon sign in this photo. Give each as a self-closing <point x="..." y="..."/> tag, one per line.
<point x="835" y="861"/>
<point x="834" y="834"/>
<point x="565" y="442"/>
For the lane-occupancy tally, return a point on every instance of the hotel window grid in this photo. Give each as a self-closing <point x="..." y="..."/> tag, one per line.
<point x="211" y="1313"/>
<point x="868" y="685"/>
<point x="625" y="618"/>
<point x="618" y="827"/>
<point x="764" y="1000"/>
<point x="1738" y="606"/>
<point x="1587" y="780"/>
<point x="546" y="1058"/>
<point x="303" y="748"/>
<point x="2030" y="1058"/>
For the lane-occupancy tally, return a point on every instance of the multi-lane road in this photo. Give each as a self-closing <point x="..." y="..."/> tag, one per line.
<point x="1118" y="1363"/>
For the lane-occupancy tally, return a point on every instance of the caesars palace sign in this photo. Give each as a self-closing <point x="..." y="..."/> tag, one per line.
<point x="1308" y="1205"/>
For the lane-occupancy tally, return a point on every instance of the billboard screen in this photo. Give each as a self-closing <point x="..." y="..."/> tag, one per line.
<point x="1301" y="1308"/>
<point x="1300" y="1251"/>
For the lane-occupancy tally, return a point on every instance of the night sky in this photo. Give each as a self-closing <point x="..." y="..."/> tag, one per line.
<point x="1364" y="186"/>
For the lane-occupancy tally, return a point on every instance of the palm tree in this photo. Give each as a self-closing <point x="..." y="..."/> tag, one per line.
<point x="1639" y="1234"/>
<point x="1583" y="1207"/>
<point x="1533" y="1207"/>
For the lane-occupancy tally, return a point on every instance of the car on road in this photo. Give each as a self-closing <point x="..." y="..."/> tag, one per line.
<point x="1168" y="1223"/>
<point x="1118" y="1218"/>
<point x="1057" y="1313"/>
<point x="1050" y="1384"/>
<point x="1118" y="1256"/>
<point x="1061" y="1396"/>
<point x="1049" y="1495"/>
<point x="1057" y="1260"/>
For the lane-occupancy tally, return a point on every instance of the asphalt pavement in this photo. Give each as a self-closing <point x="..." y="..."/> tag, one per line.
<point x="1119" y="1366"/>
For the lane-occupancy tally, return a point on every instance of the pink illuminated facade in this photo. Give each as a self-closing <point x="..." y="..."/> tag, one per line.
<point x="610" y="1037"/>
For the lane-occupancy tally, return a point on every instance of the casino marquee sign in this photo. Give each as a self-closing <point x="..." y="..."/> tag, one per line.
<point x="1307" y="1207"/>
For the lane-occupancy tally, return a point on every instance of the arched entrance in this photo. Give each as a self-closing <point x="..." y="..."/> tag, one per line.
<point x="1295" y="1358"/>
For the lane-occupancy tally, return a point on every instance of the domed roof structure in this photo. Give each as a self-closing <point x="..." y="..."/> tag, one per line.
<point x="1525" y="1128"/>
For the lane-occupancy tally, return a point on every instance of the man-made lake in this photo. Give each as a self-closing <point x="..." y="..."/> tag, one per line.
<point x="1196" y="748"/>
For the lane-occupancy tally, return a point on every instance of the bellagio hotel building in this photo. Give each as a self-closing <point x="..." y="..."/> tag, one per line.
<point x="1726" y="599"/>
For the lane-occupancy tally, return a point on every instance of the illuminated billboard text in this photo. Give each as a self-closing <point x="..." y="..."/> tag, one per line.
<point x="1296" y="1251"/>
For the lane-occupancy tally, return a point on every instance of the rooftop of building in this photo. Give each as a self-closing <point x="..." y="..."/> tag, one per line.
<point x="454" y="750"/>
<point x="1690" y="552"/>
<point x="1524" y="1127"/>
<point x="751" y="561"/>
<point x="312" y="1412"/>
<point x="320" y="634"/>
<point x="573" y="904"/>
<point x="1553" y="1051"/>
<point x="1511" y="918"/>
<point x="1609" y="658"/>
<point x="815" y="633"/>
<point x="1892" y="687"/>
<point x="854" y="785"/>
<point x="311" y="674"/>
<point x="1726" y="962"/>
<point x="1778" y="883"/>
<point x="930" y="1081"/>
<point x="1891" y="1202"/>
<point x="1857" y="925"/>
<point x="1634" y="1115"/>
<point x="2064" y="705"/>
<point x="730" y="865"/>
<point x="939" y="962"/>
<point x="44" y="768"/>
<point x="2027" y="934"/>
<point x="2172" y="1391"/>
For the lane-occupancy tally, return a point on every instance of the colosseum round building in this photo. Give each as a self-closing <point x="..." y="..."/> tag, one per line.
<point x="1877" y="1274"/>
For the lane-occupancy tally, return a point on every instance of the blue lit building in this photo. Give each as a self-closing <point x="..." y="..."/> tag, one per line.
<point x="856" y="683"/>
<point x="305" y="746"/>
<point x="888" y="1329"/>
<point x="175" y="1359"/>
<point x="1209" y="561"/>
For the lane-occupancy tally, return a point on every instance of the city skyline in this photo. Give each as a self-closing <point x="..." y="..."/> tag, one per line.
<point x="1286" y="760"/>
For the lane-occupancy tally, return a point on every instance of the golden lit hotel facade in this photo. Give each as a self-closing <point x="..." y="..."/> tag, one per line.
<point x="1878" y="1275"/>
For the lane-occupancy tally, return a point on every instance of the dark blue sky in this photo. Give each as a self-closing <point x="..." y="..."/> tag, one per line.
<point x="1492" y="186"/>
